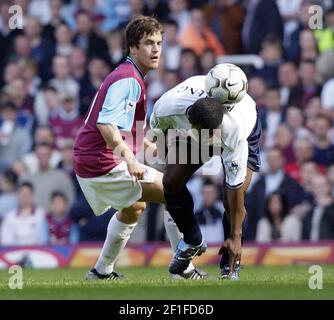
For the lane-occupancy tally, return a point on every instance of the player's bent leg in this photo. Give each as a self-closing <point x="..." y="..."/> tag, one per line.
<point x="153" y="192"/>
<point x="119" y="230"/>
<point x="180" y="205"/>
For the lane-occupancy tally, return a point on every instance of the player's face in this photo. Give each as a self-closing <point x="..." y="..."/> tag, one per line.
<point x="147" y="55"/>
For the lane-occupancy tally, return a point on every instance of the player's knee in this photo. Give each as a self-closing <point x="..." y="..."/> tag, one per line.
<point x="172" y="184"/>
<point x="136" y="211"/>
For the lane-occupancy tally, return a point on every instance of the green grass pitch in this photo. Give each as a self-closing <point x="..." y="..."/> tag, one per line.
<point x="154" y="283"/>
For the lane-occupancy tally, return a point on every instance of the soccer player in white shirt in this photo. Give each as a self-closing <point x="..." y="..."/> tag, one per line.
<point x="238" y="136"/>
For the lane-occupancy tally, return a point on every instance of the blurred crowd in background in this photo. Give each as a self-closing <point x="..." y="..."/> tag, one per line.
<point x="51" y="69"/>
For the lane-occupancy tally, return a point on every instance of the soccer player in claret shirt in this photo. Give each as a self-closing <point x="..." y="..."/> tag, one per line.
<point x="105" y="161"/>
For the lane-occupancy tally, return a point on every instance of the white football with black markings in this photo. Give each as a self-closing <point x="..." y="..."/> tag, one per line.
<point x="226" y="82"/>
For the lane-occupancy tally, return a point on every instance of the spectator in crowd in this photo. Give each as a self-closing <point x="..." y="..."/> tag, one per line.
<point x="26" y="225"/>
<point x="15" y="141"/>
<point x="257" y="89"/>
<point x="63" y="40"/>
<point x="56" y="19"/>
<point x="287" y="79"/>
<point x="47" y="104"/>
<point x="272" y="115"/>
<point x="78" y="65"/>
<point x="66" y="122"/>
<point x="198" y="36"/>
<point x="63" y="81"/>
<point x="178" y="11"/>
<point x="22" y="49"/>
<point x="87" y="39"/>
<point x="8" y="195"/>
<point x="313" y="109"/>
<point x="274" y="180"/>
<point x="189" y="64"/>
<point x="323" y="147"/>
<point x="319" y="221"/>
<point x="29" y="70"/>
<point x="11" y="71"/>
<point x="97" y="71"/>
<point x="283" y="140"/>
<point x="47" y="180"/>
<point x="29" y="163"/>
<point x="41" y="48"/>
<point x="262" y="19"/>
<point x="289" y="11"/>
<point x="171" y="47"/>
<point x="17" y="92"/>
<point x="115" y="48"/>
<point x="303" y="152"/>
<point x="226" y="18"/>
<point x="207" y="61"/>
<point x="308" y="45"/>
<point x="295" y="121"/>
<point x="292" y="50"/>
<point x="301" y="94"/>
<point x="308" y="171"/>
<point x="271" y="54"/>
<point x="61" y="230"/>
<point x="210" y="215"/>
<point x="278" y="224"/>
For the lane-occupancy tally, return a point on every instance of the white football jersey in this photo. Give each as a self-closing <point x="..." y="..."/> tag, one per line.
<point x="169" y="112"/>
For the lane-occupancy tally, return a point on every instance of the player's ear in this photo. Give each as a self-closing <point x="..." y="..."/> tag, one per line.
<point x="133" y="51"/>
<point x="188" y="112"/>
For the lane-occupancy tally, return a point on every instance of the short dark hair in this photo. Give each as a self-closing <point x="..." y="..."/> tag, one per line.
<point x="58" y="194"/>
<point x="27" y="184"/>
<point x="138" y="28"/>
<point x="206" y="113"/>
<point x="11" y="176"/>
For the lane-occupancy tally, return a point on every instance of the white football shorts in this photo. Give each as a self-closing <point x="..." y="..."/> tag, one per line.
<point x="114" y="189"/>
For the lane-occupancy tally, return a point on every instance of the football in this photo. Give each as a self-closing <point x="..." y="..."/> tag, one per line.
<point x="226" y="82"/>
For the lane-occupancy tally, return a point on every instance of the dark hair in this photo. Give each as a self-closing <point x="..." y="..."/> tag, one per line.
<point x="11" y="176"/>
<point x="58" y="194"/>
<point x="283" y="201"/>
<point x="171" y="22"/>
<point x="206" y="113"/>
<point x="27" y="184"/>
<point x="138" y="28"/>
<point x="8" y="105"/>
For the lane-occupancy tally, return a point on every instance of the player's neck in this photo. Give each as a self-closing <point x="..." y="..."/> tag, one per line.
<point x="140" y="69"/>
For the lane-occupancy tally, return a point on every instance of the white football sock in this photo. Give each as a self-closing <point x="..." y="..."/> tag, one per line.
<point x="174" y="236"/>
<point x="118" y="235"/>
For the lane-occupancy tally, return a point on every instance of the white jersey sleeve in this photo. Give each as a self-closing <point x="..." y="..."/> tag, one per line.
<point x="238" y="123"/>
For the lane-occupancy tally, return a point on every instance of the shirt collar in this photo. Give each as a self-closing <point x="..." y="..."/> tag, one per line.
<point x="131" y="60"/>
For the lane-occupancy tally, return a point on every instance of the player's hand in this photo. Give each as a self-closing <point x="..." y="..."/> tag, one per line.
<point x="233" y="248"/>
<point x="136" y="171"/>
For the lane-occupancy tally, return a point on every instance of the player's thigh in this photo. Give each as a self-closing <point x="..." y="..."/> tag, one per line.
<point x="180" y="166"/>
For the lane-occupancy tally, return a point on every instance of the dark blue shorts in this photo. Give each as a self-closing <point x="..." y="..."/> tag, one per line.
<point x="253" y="139"/>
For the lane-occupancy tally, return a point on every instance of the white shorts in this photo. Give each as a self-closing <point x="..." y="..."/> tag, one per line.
<point x="114" y="189"/>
